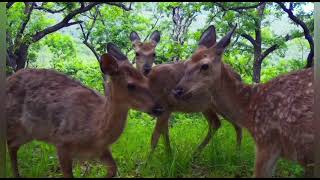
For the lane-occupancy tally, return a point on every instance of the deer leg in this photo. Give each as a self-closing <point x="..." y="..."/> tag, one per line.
<point x="214" y="124"/>
<point x="110" y="162"/>
<point x="65" y="161"/>
<point x="13" y="151"/>
<point x="165" y="134"/>
<point x="16" y="138"/>
<point x="160" y="128"/>
<point x="266" y="158"/>
<point x="239" y="134"/>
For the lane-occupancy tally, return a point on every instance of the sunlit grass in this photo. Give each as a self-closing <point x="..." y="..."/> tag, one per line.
<point x="219" y="159"/>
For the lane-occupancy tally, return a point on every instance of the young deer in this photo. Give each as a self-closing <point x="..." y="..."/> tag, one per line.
<point x="49" y="106"/>
<point x="145" y="51"/>
<point x="278" y="114"/>
<point x="162" y="80"/>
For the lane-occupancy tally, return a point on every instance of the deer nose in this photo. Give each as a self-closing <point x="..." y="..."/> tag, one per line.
<point x="178" y="92"/>
<point x="157" y="110"/>
<point x="146" y="70"/>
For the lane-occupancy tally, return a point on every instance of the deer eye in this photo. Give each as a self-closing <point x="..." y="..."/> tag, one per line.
<point x="137" y="54"/>
<point x="154" y="54"/>
<point x="204" y="67"/>
<point x="131" y="87"/>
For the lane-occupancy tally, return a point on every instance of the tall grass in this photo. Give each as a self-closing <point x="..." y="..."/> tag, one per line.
<point x="131" y="152"/>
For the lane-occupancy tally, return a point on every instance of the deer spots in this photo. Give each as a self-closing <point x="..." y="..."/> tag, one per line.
<point x="308" y="91"/>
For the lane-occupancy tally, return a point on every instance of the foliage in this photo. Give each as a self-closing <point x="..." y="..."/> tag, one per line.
<point x="89" y="74"/>
<point x="61" y="45"/>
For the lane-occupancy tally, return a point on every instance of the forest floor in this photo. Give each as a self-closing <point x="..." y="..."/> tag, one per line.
<point x="131" y="152"/>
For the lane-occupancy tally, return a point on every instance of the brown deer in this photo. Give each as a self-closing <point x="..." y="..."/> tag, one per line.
<point x="49" y="106"/>
<point x="162" y="80"/>
<point x="145" y="51"/>
<point x="278" y="114"/>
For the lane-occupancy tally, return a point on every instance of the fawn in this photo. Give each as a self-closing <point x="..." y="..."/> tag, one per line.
<point x="145" y="51"/>
<point x="163" y="79"/>
<point x="49" y="106"/>
<point x="278" y="114"/>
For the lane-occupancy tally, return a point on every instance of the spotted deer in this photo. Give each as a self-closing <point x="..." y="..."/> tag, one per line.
<point x="278" y="114"/>
<point x="49" y="106"/>
<point x="162" y="80"/>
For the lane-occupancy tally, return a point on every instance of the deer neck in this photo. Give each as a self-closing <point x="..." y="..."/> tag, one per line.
<point x="113" y="116"/>
<point x="232" y="98"/>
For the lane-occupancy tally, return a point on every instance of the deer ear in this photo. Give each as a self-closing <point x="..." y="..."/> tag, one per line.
<point x="225" y="41"/>
<point x="108" y="64"/>
<point x="114" y="51"/>
<point x="134" y="37"/>
<point x="155" y="36"/>
<point x="208" y="37"/>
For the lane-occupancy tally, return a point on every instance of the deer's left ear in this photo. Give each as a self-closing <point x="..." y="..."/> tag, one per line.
<point x="113" y="50"/>
<point x="208" y="37"/>
<point x="155" y="36"/>
<point x="134" y="37"/>
<point x="225" y="41"/>
<point x="108" y="64"/>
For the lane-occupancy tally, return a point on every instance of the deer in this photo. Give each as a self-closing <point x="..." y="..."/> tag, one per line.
<point x="162" y="80"/>
<point x="278" y="113"/>
<point x="46" y="105"/>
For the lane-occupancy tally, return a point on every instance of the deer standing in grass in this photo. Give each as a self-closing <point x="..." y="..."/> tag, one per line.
<point x="49" y="106"/>
<point x="278" y="114"/>
<point x="162" y="80"/>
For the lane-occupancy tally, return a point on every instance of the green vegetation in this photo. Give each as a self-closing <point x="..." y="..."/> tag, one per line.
<point x="219" y="159"/>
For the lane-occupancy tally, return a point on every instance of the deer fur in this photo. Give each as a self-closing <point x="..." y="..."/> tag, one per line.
<point x="49" y="106"/>
<point x="278" y="114"/>
<point x="162" y="80"/>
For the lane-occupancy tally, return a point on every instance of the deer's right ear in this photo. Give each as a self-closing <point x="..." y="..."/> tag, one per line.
<point x="208" y="37"/>
<point x="155" y="36"/>
<point x="134" y="37"/>
<point x="108" y="64"/>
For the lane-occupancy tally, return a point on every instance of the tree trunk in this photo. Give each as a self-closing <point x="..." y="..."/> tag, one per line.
<point x="21" y="56"/>
<point x="257" y="60"/>
<point x="257" y="70"/>
<point x="311" y="53"/>
<point x="258" y="45"/>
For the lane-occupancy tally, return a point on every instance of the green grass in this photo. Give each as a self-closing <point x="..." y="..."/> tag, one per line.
<point x="219" y="159"/>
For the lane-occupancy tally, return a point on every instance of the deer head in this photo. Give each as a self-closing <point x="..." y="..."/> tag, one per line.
<point x="127" y="84"/>
<point x="145" y="51"/>
<point x="202" y="71"/>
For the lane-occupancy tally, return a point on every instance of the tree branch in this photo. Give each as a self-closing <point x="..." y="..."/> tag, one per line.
<point x="73" y="23"/>
<point x="152" y="27"/>
<point x="92" y="49"/>
<point x="49" y="10"/>
<point x="86" y="36"/>
<point x="306" y="30"/>
<point x="120" y="5"/>
<point x="239" y="8"/>
<point x="27" y="11"/>
<point x="276" y="46"/>
<point x="249" y="38"/>
<point x="64" y="22"/>
<point x="9" y="4"/>
<point x="268" y="51"/>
